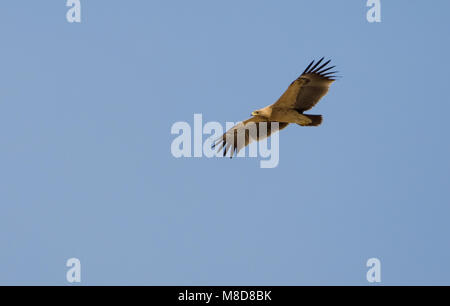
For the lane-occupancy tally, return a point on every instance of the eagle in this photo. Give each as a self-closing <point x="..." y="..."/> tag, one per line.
<point x="302" y="95"/>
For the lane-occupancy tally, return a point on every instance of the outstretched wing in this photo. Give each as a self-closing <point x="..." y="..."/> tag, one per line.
<point x="245" y="132"/>
<point x="309" y="88"/>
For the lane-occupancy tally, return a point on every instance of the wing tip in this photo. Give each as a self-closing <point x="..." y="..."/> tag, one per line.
<point x="314" y="68"/>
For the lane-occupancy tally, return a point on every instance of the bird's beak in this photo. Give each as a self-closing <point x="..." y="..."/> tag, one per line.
<point x="253" y="113"/>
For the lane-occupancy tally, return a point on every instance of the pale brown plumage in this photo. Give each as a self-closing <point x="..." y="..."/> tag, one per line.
<point x="302" y="95"/>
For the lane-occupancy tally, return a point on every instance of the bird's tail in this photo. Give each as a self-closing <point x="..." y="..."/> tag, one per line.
<point x="316" y="119"/>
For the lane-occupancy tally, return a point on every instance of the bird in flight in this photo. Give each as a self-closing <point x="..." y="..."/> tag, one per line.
<point x="302" y="95"/>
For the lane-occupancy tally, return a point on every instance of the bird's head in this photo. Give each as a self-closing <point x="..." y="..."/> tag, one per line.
<point x="263" y="112"/>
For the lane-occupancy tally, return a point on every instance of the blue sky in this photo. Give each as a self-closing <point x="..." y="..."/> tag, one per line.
<point x="86" y="169"/>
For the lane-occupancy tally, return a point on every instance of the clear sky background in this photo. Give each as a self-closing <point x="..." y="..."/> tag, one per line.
<point x="86" y="169"/>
